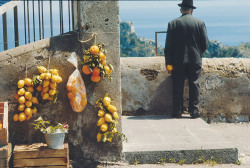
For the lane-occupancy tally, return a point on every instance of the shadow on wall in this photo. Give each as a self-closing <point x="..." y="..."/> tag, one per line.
<point x="161" y="102"/>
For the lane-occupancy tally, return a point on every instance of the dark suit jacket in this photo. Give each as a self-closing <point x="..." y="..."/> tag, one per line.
<point x="186" y="41"/>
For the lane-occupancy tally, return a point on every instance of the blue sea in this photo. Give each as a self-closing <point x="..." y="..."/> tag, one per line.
<point x="227" y="21"/>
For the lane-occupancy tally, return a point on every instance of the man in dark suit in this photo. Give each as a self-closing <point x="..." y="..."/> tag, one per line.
<point x="185" y="43"/>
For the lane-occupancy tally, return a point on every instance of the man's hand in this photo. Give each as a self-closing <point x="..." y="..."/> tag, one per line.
<point x="169" y="68"/>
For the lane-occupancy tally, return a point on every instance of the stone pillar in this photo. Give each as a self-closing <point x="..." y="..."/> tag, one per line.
<point x="101" y="17"/>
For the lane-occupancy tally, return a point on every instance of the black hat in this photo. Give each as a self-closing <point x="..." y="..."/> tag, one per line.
<point x="187" y="3"/>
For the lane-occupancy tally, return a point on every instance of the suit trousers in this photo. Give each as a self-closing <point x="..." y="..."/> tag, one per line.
<point x="193" y="74"/>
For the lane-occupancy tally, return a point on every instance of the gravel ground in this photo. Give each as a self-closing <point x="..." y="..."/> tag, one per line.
<point x="237" y="133"/>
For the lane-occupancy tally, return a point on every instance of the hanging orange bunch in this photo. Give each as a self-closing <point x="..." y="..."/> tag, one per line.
<point x="95" y="63"/>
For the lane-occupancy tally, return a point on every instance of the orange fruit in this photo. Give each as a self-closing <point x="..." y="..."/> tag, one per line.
<point x="70" y="95"/>
<point x="104" y="62"/>
<point x="21" y="117"/>
<point x="86" y="70"/>
<point x="16" y="96"/>
<point x="102" y="56"/>
<point x="39" y="88"/>
<point x="15" y="117"/>
<point x="95" y="78"/>
<point x="169" y="68"/>
<point x="94" y="49"/>
<point x="96" y="71"/>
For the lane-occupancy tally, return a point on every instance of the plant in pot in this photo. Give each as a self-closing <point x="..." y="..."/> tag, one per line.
<point x="54" y="135"/>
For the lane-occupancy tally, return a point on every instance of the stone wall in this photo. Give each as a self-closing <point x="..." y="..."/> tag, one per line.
<point x="225" y="88"/>
<point x="100" y="17"/>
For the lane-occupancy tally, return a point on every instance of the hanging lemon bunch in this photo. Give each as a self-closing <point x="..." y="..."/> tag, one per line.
<point x="107" y="122"/>
<point x="95" y="63"/>
<point x="26" y="99"/>
<point x="46" y="83"/>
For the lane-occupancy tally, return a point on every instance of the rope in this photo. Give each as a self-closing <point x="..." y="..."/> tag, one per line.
<point x="26" y="71"/>
<point x="49" y="63"/>
<point x="93" y="36"/>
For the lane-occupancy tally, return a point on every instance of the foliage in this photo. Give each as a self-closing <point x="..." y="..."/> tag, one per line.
<point x="46" y="128"/>
<point x="134" y="46"/>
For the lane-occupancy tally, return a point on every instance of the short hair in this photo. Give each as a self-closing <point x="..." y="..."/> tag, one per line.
<point x="185" y="8"/>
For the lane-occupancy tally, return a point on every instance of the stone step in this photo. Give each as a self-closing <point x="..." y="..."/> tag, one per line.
<point x="151" y="138"/>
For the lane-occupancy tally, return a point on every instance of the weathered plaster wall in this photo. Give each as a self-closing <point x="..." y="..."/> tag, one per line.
<point x="100" y="17"/>
<point x="225" y="88"/>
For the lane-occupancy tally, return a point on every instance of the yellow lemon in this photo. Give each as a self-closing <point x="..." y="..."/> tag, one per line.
<point x="46" y="83"/>
<point x="58" y="79"/>
<point x="21" y="100"/>
<point x="34" y="100"/>
<point x="114" y="130"/>
<point x="15" y="117"/>
<point x="108" y="117"/>
<point x="20" y="84"/>
<point x="28" y="95"/>
<point x="45" y="96"/>
<point x="39" y="88"/>
<point x="116" y="122"/>
<point x="28" y="81"/>
<point x="54" y="71"/>
<point x="28" y="112"/>
<point x="99" y="137"/>
<point x="42" y="76"/>
<point x="28" y="103"/>
<point x="115" y="115"/>
<point x="21" y="107"/>
<point x="21" y="117"/>
<point x="101" y="113"/>
<point x="41" y="69"/>
<point x="110" y="139"/>
<point x="106" y="101"/>
<point x="21" y="92"/>
<point x="47" y="76"/>
<point x="53" y="85"/>
<point x="34" y="110"/>
<point x="104" y="127"/>
<point x="101" y="121"/>
<point x="52" y="92"/>
<point x="45" y="89"/>
<point x="112" y="108"/>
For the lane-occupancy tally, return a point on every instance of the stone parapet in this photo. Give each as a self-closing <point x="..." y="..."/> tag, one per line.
<point x="225" y="93"/>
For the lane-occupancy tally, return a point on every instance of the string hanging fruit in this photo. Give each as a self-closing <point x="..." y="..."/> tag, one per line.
<point x="95" y="63"/>
<point x="107" y="121"/>
<point x="27" y="100"/>
<point x="46" y="83"/>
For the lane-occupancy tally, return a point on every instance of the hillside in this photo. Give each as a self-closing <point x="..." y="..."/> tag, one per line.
<point x="134" y="46"/>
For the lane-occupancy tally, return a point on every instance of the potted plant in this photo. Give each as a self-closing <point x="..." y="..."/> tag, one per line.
<point x="54" y="135"/>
